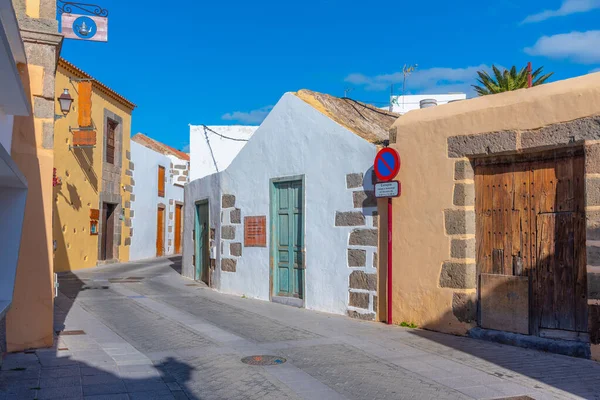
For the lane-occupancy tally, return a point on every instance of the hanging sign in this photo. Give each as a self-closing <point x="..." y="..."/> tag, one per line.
<point x="387" y="164"/>
<point x="388" y="189"/>
<point x="85" y="27"/>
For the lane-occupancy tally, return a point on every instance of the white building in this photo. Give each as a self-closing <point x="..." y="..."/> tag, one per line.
<point x="159" y="174"/>
<point x="212" y="148"/>
<point x="404" y="104"/>
<point x="13" y="186"/>
<point x="293" y="218"/>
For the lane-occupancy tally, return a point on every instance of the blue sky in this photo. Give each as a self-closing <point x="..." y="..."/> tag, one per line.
<point x="221" y="63"/>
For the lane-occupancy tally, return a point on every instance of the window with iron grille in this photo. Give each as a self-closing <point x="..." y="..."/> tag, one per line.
<point x="110" y="142"/>
<point x="161" y="181"/>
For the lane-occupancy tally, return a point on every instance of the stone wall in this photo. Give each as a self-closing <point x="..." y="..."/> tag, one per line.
<point x="231" y="233"/>
<point x="592" y="209"/>
<point x="362" y="224"/>
<point x="180" y="171"/>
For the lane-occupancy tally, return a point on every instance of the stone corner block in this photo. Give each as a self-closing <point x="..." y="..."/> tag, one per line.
<point x="359" y="300"/>
<point x="463" y="170"/>
<point x="227" y="201"/>
<point x="464" y="307"/>
<point x="363" y="198"/>
<point x="464" y="194"/>
<point x="228" y="232"/>
<point x="235" y="217"/>
<point x="458" y="275"/>
<point x="235" y="249"/>
<point x="592" y="191"/>
<point x="592" y="158"/>
<point x="363" y="237"/>
<point x="349" y="218"/>
<point x="228" y="264"/>
<point x="362" y="280"/>
<point x="354" y="180"/>
<point x="459" y="222"/>
<point x="482" y="144"/>
<point x="365" y="316"/>
<point x="357" y="258"/>
<point x="462" y="248"/>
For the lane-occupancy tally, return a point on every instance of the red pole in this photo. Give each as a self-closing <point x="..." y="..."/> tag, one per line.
<point x="389" y="266"/>
<point x="529" y="78"/>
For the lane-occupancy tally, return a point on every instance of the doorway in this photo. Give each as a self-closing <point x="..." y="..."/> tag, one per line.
<point x="201" y="242"/>
<point x="160" y="232"/>
<point x="108" y="231"/>
<point x="287" y="232"/>
<point x="531" y="223"/>
<point x="178" y="210"/>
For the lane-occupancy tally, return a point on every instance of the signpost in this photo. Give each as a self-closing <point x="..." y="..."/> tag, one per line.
<point x="386" y="166"/>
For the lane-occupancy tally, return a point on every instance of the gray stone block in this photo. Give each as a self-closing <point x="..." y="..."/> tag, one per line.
<point x="459" y="222"/>
<point x="359" y="300"/>
<point x="180" y="167"/>
<point x="593" y="255"/>
<point x="235" y="249"/>
<point x="48" y="135"/>
<point x="563" y="133"/>
<point x="131" y="213"/>
<point x="128" y="172"/>
<point x="464" y="194"/>
<point x="228" y="264"/>
<point x="228" y="201"/>
<point x="593" y="225"/>
<point x="357" y="258"/>
<point x="375" y="303"/>
<point x="132" y="197"/>
<point x="363" y="316"/>
<point x="354" y="180"/>
<point x="128" y="154"/>
<point x="592" y="192"/>
<point x="363" y="237"/>
<point x="43" y="108"/>
<point x="128" y="241"/>
<point x="362" y="280"/>
<point x="131" y="166"/>
<point x="481" y="144"/>
<point x="393" y="134"/>
<point x="235" y="217"/>
<point x="375" y="219"/>
<point x="592" y="158"/>
<point x="349" y="218"/>
<point x="132" y="182"/>
<point x="182" y="179"/>
<point x="375" y="261"/>
<point x="228" y="232"/>
<point x="462" y="248"/>
<point x="464" y="307"/>
<point x="458" y="275"/>
<point x="593" y="286"/>
<point x="364" y="199"/>
<point x="463" y="170"/>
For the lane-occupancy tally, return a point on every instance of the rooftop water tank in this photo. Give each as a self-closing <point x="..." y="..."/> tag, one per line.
<point x="426" y="103"/>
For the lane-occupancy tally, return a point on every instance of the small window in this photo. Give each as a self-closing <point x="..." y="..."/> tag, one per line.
<point x="110" y="142"/>
<point x="161" y="181"/>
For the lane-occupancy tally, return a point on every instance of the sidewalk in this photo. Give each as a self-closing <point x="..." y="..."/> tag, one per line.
<point x="156" y="335"/>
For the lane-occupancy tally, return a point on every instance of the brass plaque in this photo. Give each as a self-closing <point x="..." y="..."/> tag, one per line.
<point x="255" y="231"/>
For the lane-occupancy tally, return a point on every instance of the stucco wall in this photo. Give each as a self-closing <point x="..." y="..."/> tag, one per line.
<point x="420" y="244"/>
<point x="223" y="150"/>
<point x="81" y="172"/>
<point x="295" y="139"/>
<point x="144" y="220"/>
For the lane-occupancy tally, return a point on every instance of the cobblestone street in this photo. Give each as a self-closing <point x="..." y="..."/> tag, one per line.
<point x="156" y="335"/>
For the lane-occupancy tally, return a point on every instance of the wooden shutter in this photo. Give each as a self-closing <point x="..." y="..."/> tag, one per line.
<point x="161" y="181"/>
<point x="110" y="142"/>
<point x="84" y="116"/>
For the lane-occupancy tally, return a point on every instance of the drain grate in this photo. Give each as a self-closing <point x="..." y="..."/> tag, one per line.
<point x="70" y="333"/>
<point x="131" y="279"/>
<point x="263" y="360"/>
<point x="516" y="398"/>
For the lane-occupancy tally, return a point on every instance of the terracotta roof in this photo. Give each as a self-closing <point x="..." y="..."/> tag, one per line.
<point x="159" y="147"/>
<point x="366" y="121"/>
<point x="84" y="75"/>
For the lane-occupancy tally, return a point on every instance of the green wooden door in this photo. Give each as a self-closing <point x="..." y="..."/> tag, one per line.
<point x="288" y="239"/>
<point x="201" y="241"/>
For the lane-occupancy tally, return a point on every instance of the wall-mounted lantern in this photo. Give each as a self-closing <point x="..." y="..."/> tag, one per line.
<point x="65" y="100"/>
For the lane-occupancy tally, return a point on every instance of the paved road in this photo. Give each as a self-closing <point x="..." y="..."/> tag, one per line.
<point x="141" y="331"/>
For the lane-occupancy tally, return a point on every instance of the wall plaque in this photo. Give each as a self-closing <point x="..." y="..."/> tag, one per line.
<point x="255" y="231"/>
<point x="94" y="214"/>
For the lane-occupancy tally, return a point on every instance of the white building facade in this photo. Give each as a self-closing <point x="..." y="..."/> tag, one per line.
<point x="213" y="148"/>
<point x="157" y="203"/>
<point x="13" y="185"/>
<point x="403" y="104"/>
<point x="293" y="218"/>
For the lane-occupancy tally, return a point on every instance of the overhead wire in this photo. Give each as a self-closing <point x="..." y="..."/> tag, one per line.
<point x="206" y="128"/>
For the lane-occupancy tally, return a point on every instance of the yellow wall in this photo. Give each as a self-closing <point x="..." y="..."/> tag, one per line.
<point x="420" y="244"/>
<point x="81" y="174"/>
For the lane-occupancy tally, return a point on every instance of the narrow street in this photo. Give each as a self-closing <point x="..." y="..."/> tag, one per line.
<point x="141" y="331"/>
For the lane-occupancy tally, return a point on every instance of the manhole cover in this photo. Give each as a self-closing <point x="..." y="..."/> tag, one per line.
<point x="263" y="360"/>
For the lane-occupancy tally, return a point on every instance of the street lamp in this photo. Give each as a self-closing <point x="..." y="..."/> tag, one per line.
<point x="65" y="100"/>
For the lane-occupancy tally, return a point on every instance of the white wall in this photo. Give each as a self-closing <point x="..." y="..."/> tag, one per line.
<point x="145" y="174"/>
<point x="413" y="102"/>
<point x="223" y="150"/>
<point x="295" y="139"/>
<point x="6" y="130"/>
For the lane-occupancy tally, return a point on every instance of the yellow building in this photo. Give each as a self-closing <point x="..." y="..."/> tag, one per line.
<point x="91" y="221"/>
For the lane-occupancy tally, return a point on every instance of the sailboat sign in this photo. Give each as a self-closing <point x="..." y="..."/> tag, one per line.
<point x="84" y="27"/>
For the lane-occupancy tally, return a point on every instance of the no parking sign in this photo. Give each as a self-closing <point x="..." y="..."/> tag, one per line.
<point x="387" y="164"/>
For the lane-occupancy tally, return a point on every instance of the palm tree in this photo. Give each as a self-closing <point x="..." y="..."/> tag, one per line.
<point x="507" y="80"/>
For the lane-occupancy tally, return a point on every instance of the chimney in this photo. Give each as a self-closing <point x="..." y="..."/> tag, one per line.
<point x="426" y="103"/>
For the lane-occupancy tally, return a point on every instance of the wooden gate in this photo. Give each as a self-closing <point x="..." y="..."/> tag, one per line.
<point x="531" y="222"/>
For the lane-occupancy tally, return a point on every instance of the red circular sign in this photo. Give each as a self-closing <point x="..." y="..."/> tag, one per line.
<point x="387" y="164"/>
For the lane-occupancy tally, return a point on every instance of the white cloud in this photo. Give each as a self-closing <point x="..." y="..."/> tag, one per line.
<point x="582" y="47"/>
<point x="425" y="81"/>
<point x="250" y="117"/>
<point x="568" y="7"/>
